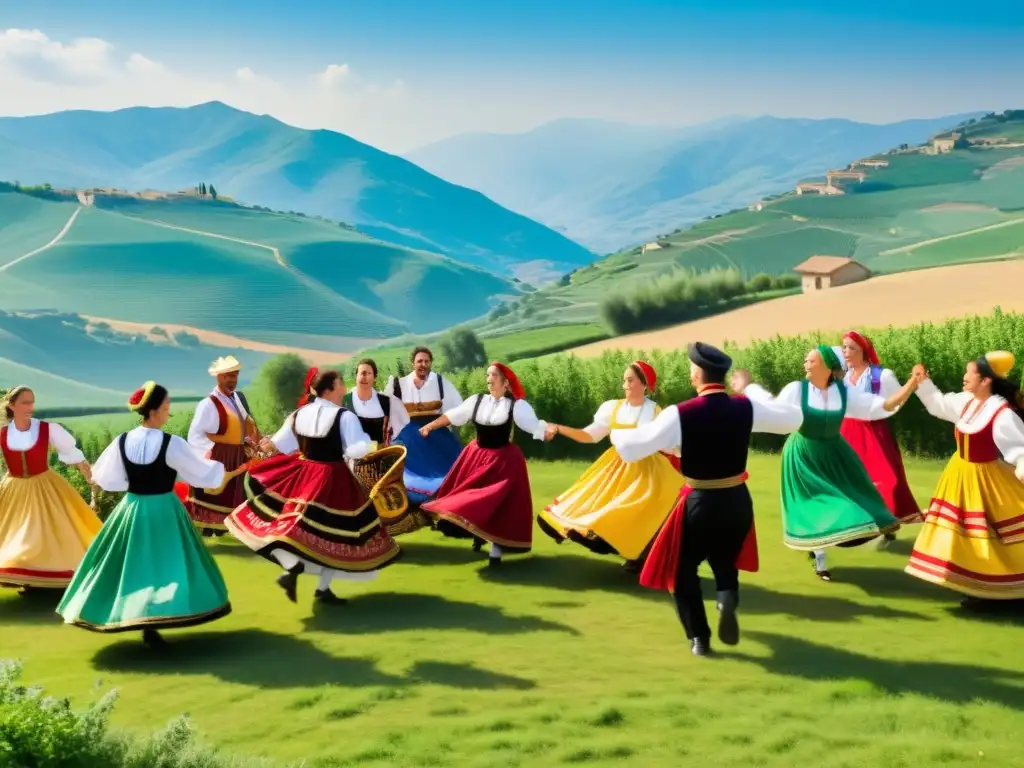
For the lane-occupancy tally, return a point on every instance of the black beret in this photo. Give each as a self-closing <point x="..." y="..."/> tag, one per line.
<point x="708" y="357"/>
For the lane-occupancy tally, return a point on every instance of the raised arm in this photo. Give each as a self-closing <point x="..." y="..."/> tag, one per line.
<point x="598" y="429"/>
<point x="108" y="472"/>
<point x="947" y="407"/>
<point x="204" y="422"/>
<point x="870" y="407"/>
<point x="285" y="439"/>
<point x="661" y="435"/>
<point x="1008" y="431"/>
<point x="526" y="420"/>
<point x="456" y="417"/>
<point x="66" y="446"/>
<point x="192" y="467"/>
<point x="357" y="443"/>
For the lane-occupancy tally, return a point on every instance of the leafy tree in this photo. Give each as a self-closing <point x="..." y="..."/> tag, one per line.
<point x="462" y="350"/>
<point x="213" y="192"/>
<point x="276" y="389"/>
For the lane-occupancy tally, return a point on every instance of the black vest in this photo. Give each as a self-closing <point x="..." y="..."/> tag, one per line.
<point x="374" y="427"/>
<point x="716" y="436"/>
<point x="149" y="479"/>
<point x="494" y="435"/>
<point x="328" y="448"/>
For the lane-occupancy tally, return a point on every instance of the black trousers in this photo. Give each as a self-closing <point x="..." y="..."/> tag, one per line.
<point x="715" y="525"/>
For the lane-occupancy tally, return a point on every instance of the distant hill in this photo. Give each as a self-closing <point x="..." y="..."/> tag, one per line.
<point x="916" y="210"/>
<point x="260" y="160"/>
<point x="609" y="185"/>
<point x="68" y="363"/>
<point x="211" y="266"/>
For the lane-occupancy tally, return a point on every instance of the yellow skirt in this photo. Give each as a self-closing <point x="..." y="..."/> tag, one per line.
<point x="621" y="504"/>
<point x="45" y="528"/>
<point x="972" y="540"/>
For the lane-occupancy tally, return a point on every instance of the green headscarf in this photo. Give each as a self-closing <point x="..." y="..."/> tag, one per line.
<point x="829" y="357"/>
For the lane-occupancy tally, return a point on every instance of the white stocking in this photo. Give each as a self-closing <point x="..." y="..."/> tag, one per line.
<point x="819" y="560"/>
<point x="495" y="550"/>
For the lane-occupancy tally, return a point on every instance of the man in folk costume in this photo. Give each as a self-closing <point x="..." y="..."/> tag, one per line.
<point x="712" y="432"/>
<point x="221" y="429"/>
<point x="426" y="395"/>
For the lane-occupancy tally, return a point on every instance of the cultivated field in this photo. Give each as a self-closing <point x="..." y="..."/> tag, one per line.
<point x="560" y="658"/>
<point x="902" y="299"/>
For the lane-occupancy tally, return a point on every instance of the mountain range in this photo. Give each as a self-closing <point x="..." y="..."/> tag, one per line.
<point x="609" y="185"/>
<point x="260" y="160"/>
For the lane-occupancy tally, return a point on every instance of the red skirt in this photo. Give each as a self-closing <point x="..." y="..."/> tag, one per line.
<point x="208" y="510"/>
<point x="315" y="510"/>
<point x="659" y="571"/>
<point x="878" y="451"/>
<point x="487" y="495"/>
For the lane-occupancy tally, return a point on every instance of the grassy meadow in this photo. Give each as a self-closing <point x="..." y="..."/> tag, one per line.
<point x="560" y="658"/>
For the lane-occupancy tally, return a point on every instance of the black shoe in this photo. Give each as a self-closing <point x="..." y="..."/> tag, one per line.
<point x="824" y="575"/>
<point x="327" y="597"/>
<point x="493" y="562"/>
<point x="289" y="581"/>
<point x="728" y="625"/>
<point x="700" y="646"/>
<point x="153" y="639"/>
<point x="478" y="543"/>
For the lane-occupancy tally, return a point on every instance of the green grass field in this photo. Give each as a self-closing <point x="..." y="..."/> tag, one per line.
<point x="560" y="658"/>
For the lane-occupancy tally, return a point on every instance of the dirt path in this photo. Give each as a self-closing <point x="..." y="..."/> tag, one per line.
<point x="218" y="339"/>
<point x="57" y="239"/>
<point x="277" y="254"/>
<point x="928" y="295"/>
<point x="905" y="248"/>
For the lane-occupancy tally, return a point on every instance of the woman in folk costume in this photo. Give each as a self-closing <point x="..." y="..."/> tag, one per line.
<point x="972" y="540"/>
<point x="306" y="511"/>
<point x="426" y="395"/>
<point x="383" y="416"/>
<point x="828" y="498"/>
<point x="222" y="429"/>
<point x="45" y="526"/>
<point x="617" y="507"/>
<point x="148" y="568"/>
<point x="487" y="495"/>
<point x="873" y="440"/>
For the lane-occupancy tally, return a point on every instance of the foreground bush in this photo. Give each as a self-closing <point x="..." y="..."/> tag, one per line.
<point x="39" y="731"/>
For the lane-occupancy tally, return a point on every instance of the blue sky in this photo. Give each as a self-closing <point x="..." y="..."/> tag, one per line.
<point x="416" y="72"/>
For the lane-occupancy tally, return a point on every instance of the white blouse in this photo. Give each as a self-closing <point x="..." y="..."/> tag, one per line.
<point x="371" y="409"/>
<point x="1007" y="429"/>
<point x="495" y="411"/>
<point x="205" y="420"/>
<point x="859" y="404"/>
<point x="664" y="434"/>
<point x="601" y="426"/>
<point x="888" y="384"/>
<point x="62" y="442"/>
<point x="316" y="420"/>
<point x="427" y="393"/>
<point x="142" y="446"/>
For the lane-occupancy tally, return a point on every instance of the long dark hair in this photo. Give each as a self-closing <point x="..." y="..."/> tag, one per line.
<point x="1007" y="389"/>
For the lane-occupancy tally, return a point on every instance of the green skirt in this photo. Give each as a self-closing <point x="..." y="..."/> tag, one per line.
<point x="828" y="498"/>
<point x="146" y="569"/>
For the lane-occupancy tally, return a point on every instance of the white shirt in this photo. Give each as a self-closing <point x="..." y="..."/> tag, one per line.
<point x="316" y="420"/>
<point x="142" y="446"/>
<point x="601" y="426"/>
<point x="664" y="433"/>
<point x="371" y="409"/>
<point x="205" y="420"/>
<point x="494" y="411"/>
<point x="1007" y="429"/>
<point x="859" y="404"/>
<point x="427" y="393"/>
<point x="65" y="445"/>
<point x="888" y="384"/>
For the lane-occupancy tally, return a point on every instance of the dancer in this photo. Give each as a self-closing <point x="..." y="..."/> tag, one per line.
<point x="305" y="510"/>
<point x="972" y="540"/>
<point x="873" y="440"/>
<point x="222" y="429"/>
<point x="487" y="494"/>
<point x="425" y="395"/>
<point x="616" y="507"/>
<point x="383" y="417"/>
<point x="148" y="568"/>
<point x="828" y="498"/>
<point x="45" y="526"/>
<point x="713" y="518"/>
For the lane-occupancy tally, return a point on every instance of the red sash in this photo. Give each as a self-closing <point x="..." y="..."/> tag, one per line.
<point x="659" y="571"/>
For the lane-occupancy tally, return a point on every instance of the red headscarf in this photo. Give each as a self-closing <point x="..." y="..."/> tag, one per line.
<point x="513" y="381"/>
<point x="865" y="344"/>
<point x="310" y="375"/>
<point x="647" y="374"/>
